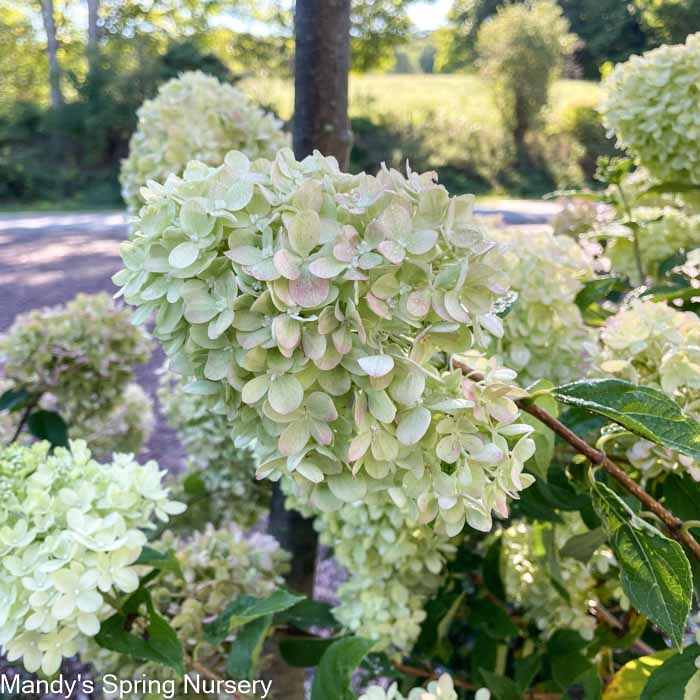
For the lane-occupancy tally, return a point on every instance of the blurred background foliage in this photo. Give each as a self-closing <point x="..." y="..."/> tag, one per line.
<point x="423" y="95"/>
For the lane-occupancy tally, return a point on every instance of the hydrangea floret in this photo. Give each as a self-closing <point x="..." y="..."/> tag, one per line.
<point x="81" y="355"/>
<point x="441" y="689"/>
<point x="395" y="566"/>
<point x="226" y="472"/>
<point x="318" y="308"/>
<point x="545" y="337"/>
<point x="650" y="104"/>
<point x="528" y="576"/>
<point x="167" y="137"/>
<point x="218" y="565"/>
<point x="653" y="344"/>
<point x="70" y="531"/>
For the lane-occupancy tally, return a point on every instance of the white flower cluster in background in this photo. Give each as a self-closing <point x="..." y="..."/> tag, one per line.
<point x="651" y="104"/>
<point x="441" y="689"/>
<point x="194" y="117"/>
<point x="317" y="309"/>
<point x="126" y="428"/>
<point x="395" y="566"/>
<point x="663" y="233"/>
<point x="70" y="531"/>
<point x="80" y="358"/>
<point x="544" y="337"/>
<point x="226" y="472"/>
<point x="528" y="578"/>
<point x="219" y="565"/>
<point x="653" y="344"/>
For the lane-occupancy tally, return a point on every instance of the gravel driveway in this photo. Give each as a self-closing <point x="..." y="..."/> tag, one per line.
<point x="47" y="258"/>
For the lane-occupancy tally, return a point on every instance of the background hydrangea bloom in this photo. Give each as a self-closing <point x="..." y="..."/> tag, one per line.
<point x="218" y="566"/>
<point x="544" y="337"/>
<point x="395" y="566"/>
<point x="166" y="137"/>
<point x="70" y="532"/>
<point x="315" y="308"/>
<point x="528" y="579"/>
<point x="441" y="689"/>
<point x="651" y="104"/>
<point x="652" y="344"/>
<point x="219" y="483"/>
<point x="82" y="355"/>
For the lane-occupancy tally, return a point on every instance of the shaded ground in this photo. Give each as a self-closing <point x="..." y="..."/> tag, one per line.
<point x="47" y="258"/>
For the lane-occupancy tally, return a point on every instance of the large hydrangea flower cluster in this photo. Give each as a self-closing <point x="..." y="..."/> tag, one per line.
<point x="528" y="580"/>
<point x="545" y="337"/>
<point x="395" y="566"/>
<point x="651" y="104"/>
<point x="166" y="137"/>
<point x="218" y="566"/>
<point x="441" y="689"/>
<point x="653" y="344"/>
<point x="227" y="473"/>
<point x="81" y="355"/>
<point x="667" y="232"/>
<point x="316" y="307"/>
<point x="70" y="531"/>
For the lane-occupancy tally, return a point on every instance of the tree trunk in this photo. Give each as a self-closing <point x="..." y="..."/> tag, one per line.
<point x="321" y="66"/>
<point x="93" y="10"/>
<point x="52" y="52"/>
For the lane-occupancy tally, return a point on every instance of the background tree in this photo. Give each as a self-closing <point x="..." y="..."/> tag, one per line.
<point x="668" y="21"/>
<point x="522" y="49"/>
<point x="47" y="15"/>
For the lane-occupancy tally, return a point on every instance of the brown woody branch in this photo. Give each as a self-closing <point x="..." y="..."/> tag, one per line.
<point x="673" y="524"/>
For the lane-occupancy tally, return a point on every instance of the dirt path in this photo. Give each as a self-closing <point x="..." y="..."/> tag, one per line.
<point x="47" y="258"/>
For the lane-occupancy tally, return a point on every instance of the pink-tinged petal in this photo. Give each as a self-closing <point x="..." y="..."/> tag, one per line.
<point x="287" y="264"/>
<point x="392" y="251"/>
<point x="286" y="331"/>
<point x="359" y="446"/>
<point x="321" y="432"/>
<point x="264" y="271"/>
<point x="355" y="275"/>
<point x="308" y="291"/>
<point x="379" y="307"/>
<point x="376" y="365"/>
<point x="344" y="251"/>
<point x="245" y="255"/>
<point x="418" y="303"/>
<point x="369" y="261"/>
<point x="326" y="268"/>
<point x="454" y="307"/>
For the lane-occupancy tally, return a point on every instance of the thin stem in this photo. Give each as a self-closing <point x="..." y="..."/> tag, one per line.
<point x="22" y="421"/>
<point x="673" y="524"/>
<point x="635" y="238"/>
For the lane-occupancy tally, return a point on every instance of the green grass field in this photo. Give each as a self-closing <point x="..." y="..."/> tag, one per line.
<point x="411" y="97"/>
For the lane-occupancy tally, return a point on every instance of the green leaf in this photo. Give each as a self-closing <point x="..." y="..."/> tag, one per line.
<point x="245" y="609"/>
<point x="245" y="650"/>
<point x="501" y="687"/>
<point x="655" y="573"/>
<point x="305" y="652"/>
<point x="492" y="619"/>
<point x="598" y="290"/>
<point x="526" y="670"/>
<point x="581" y="547"/>
<point x="668" y="682"/>
<point x="682" y="496"/>
<point x="159" y="642"/>
<point x="645" y="411"/>
<point x="332" y="677"/>
<point x="14" y="399"/>
<point x="158" y="560"/>
<point x="308" y="614"/>
<point x="48" y="425"/>
<point x="629" y="681"/>
<point x="567" y="659"/>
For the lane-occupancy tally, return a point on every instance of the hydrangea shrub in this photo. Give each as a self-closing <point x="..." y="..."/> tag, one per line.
<point x="313" y="307"/>
<point x="651" y="104"/>
<point x="82" y="355"/>
<point x="226" y="488"/>
<point x="70" y="532"/>
<point x="441" y="689"/>
<point x="166" y="138"/>
<point x="653" y="344"/>
<point x="218" y="566"/>
<point x="544" y="336"/>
